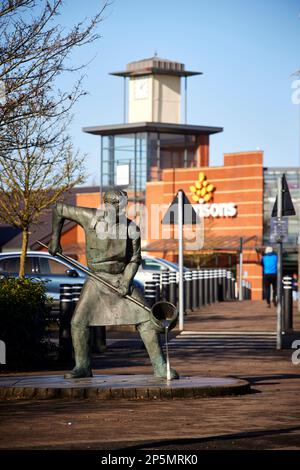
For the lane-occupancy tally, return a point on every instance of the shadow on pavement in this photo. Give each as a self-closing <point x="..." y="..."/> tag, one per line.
<point x="251" y="440"/>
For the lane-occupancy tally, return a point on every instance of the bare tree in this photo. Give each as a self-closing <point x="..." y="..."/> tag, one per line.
<point x="37" y="173"/>
<point x="37" y="161"/>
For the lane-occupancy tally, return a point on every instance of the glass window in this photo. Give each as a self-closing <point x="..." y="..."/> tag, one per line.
<point x="171" y="151"/>
<point x="151" y="265"/>
<point x="124" y="161"/>
<point x="12" y="265"/>
<point x="50" y="266"/>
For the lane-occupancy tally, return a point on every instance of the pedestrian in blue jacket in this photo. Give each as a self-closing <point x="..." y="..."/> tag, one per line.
<point x="269" y="263"/>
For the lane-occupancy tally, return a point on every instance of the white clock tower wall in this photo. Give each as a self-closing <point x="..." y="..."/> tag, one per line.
<point x="154" y="98"/>
<point x="140" y="99"/>
<point x="166" y="99"/>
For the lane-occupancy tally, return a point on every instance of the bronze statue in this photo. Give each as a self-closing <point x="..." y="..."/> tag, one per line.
<point x="113" y="251"/>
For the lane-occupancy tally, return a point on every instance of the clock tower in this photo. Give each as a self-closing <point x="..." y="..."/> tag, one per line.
<point x="154" y="90"/>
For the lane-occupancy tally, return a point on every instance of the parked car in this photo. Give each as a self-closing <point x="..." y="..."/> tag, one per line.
<point x="42" y="265"/>
<point x="151" y="265"/>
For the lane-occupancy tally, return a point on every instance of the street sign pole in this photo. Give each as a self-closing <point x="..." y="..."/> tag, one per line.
<point x="241" y="270"/>
<point x="279" y="265"/>
<point x="180" y="260"/>
<point x="283" y="207"/>
<point x="180" y="212"/>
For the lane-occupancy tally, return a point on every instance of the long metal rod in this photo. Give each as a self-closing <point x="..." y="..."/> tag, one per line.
<point x="180" y="259"/>
<point x="279" y="266"/>
<point x="94" y="276"/>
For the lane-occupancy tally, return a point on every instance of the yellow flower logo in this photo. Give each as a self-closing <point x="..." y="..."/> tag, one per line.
<point x="202" y="191"/>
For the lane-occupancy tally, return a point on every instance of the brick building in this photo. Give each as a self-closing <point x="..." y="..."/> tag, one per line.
<point x="152" y="155"/>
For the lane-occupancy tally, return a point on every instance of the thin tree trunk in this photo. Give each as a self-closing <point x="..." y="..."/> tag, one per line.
<point x="25" y="236"/>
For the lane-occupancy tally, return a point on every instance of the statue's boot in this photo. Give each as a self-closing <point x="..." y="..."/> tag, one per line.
<point x="80" y="339"/>
<point x="153" y="347"/>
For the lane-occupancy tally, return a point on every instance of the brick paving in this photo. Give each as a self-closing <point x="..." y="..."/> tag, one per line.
<point x="267" y="418"/>
<point x="228" y="316"/>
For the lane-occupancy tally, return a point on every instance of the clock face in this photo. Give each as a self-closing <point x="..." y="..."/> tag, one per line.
<point x="141" y="88"/>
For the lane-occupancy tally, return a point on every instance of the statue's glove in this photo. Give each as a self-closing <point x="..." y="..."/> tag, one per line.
<point x="124" y="287"/>
<point x="54" y="247"/>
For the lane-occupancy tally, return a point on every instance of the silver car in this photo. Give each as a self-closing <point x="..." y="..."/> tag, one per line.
<point x="151" y="265"/>
<point x="41" y="265"/>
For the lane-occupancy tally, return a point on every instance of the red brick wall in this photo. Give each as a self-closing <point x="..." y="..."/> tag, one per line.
<point x="240" y="181"/>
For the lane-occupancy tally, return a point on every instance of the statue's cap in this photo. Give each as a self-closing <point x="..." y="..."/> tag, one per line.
<point x="115" y="196"/>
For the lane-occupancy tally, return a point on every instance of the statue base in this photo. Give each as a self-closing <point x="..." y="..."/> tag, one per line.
<point x="110" y="387"/>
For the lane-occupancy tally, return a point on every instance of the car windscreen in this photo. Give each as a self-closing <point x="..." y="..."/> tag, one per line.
<point x="151" y="265"/>
<point x="173" y="265"/>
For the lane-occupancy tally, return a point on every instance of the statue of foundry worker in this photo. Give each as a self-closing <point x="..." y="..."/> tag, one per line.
<point x="113" y="251"/>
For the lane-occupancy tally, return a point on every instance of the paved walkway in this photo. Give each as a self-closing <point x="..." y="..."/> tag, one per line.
<point x="237" y="316"/>
<point x="199" y="340"/>
<point x="268" y="418"/>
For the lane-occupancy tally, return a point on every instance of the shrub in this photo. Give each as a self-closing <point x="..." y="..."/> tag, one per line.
<point x="23" y="313"/>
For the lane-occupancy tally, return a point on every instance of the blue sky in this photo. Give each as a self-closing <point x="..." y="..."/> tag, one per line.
<point x="247" y="51"/>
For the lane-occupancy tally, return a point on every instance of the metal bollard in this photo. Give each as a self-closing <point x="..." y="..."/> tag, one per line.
<point x="216" y="285"/>
<point x="172" y="288"/>
<point x="201" y="288"/>
<point x="165" y="294"/>
<point x="156" y="280"/>
<point x="66" y="309"/>
<point x="195" y="289"/>
<point x="76" y="291"/>
<point x="211" y="286"/>
<point x="248" y="290"/>
<point x="287" y="304"/>
<point x="188" y="290"/>
<point x="244" y="290"/>
<point x="219" y="285"/>
<point x="223" y="285"/>
<point x="205" y="287"/>
<point x="228" y="285"/>
<point x="150" y="292"/>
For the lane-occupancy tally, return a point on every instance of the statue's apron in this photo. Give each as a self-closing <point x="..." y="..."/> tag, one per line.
<point x="99" y="305"/>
